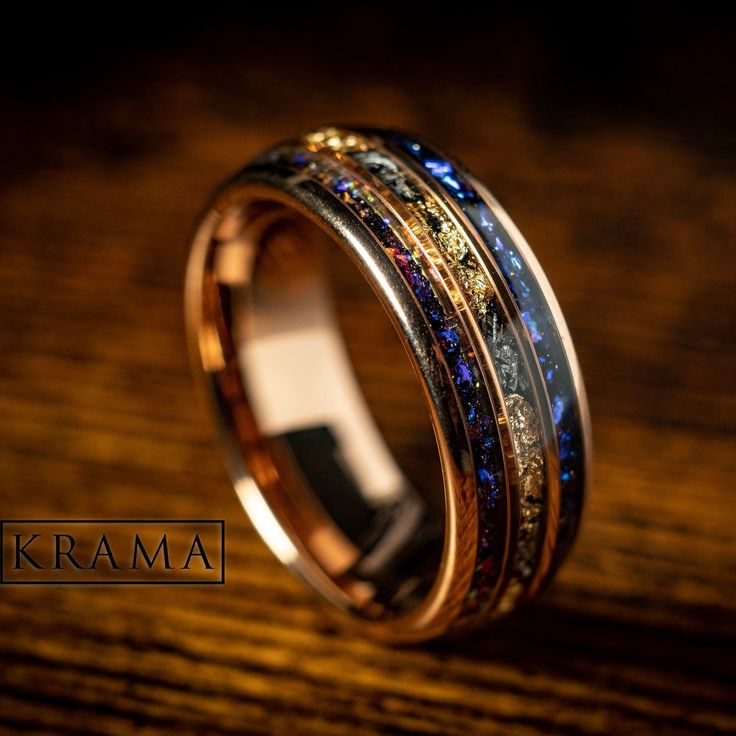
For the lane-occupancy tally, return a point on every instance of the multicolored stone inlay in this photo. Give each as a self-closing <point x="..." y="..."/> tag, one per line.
<point x="537" y="317"/>
<point x="425" y="283"/>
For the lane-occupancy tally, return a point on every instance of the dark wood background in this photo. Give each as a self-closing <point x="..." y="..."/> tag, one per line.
<point x="613" y="150"/>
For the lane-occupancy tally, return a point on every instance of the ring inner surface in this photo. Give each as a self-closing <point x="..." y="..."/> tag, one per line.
<point x="339" y="407"/>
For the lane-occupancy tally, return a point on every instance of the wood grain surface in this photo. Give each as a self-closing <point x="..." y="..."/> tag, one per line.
<point x="633" y="219"/>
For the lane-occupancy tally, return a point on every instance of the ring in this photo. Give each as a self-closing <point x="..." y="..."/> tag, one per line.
<point x="484" y="525"/>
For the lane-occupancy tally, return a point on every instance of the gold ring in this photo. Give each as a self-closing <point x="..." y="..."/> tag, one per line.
<point x="489" y="348"/>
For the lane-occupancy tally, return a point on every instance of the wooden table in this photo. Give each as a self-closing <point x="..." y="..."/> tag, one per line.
<point x="635" y="224"/>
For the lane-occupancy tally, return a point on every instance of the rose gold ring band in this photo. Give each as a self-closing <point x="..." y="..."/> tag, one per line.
<point x="487" y="343"/>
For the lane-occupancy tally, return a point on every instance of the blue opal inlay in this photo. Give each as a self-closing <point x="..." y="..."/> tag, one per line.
<point x="443" y="171"/>
<point x="449" y="339"/>
<point x="536" y="315"/>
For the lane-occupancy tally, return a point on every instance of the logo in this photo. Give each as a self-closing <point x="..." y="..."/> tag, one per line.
<point x="116" y="552"/>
